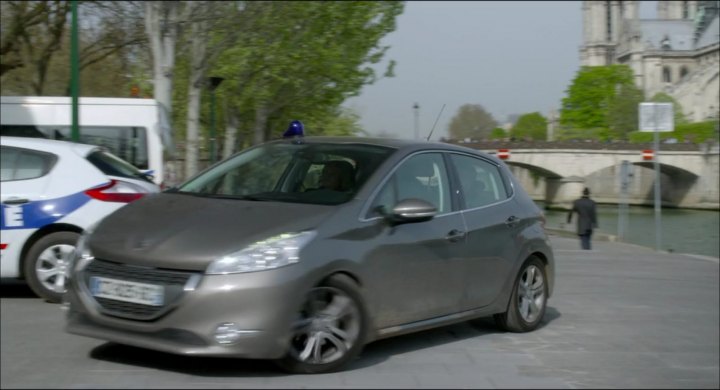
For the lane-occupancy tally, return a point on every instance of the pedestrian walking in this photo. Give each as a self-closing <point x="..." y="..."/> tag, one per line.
<point x="587" y="217"/>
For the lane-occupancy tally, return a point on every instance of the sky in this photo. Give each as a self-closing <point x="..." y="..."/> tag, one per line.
<point x="511" y="57"/>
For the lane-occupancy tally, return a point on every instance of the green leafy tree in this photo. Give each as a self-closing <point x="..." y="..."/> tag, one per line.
<point x="301" y="60"/>
<point x="601" y="97"/>
<point x="623" y="111"/>
<point x="662" y="97"/>
<point x="498" y="133"/>
<point x="471" y="121"/>
<point x="533" y="126"/>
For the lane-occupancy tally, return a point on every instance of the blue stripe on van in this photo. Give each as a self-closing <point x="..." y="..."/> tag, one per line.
<point x="34" y="215"/>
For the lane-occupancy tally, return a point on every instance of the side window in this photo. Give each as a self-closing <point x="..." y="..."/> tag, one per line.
<point x="21" y="164"/>
<point x="481" y="181"/>
<point x="422" y="176"/>
<point x="8" y="157"/>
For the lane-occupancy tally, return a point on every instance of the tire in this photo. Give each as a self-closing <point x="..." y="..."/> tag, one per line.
<point x="45" y="262"/>
<point x="527" y="306"/>
<point x="334" y="320"/>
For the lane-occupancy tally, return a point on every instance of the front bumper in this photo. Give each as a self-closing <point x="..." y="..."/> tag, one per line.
<point x="262" y="304"/>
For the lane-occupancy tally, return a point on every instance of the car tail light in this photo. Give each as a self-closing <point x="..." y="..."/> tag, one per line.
<point x="116" y="191"/>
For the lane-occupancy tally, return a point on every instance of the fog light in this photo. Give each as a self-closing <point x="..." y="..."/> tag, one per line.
<point x="229" y="333"/>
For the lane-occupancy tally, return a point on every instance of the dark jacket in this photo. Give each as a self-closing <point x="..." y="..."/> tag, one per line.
<point x="587" y="216"/>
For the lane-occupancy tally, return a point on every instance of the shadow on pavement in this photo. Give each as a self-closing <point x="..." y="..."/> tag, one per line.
<point x="13" y="288"/>
<point x="379" y="351"/>
<point x="192" y="365"/>
<point x="373" y="353"/>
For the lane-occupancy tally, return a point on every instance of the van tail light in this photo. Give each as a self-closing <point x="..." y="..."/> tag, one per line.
<point x="116" y="191"/>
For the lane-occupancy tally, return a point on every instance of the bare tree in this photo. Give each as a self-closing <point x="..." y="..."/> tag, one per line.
<point x="18" y="17"/>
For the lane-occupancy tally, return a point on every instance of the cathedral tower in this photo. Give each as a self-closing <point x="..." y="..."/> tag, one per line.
<point x="602" y="24"/>
<point x="671" y="9"/>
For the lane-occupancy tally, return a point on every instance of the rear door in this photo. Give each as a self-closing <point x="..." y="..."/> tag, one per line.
<point x="491" y="218"/>
<point x="24" y="176"/>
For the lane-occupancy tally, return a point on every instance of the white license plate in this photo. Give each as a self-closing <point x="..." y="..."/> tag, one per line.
<point x="123" y="290"/>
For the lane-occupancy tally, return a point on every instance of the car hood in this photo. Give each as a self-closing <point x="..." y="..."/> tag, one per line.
<point x="188" y="232"/>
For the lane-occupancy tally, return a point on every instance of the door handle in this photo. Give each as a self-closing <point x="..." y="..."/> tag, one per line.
<point x="512" y="221"/>
<point x="455" y="235"/>
<point x="14" y="201"/>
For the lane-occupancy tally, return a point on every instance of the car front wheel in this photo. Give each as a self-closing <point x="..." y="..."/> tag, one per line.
<point x="330" y="328"/>
<point x="46" y="264"/>
<point x="528" y="300"/>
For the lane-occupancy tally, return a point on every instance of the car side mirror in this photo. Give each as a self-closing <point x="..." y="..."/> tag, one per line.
<point x="408" y="211"/>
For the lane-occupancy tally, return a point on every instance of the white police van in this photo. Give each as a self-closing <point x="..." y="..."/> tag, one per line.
<point x="51" y="191"/>
<point x="136" y="130"/>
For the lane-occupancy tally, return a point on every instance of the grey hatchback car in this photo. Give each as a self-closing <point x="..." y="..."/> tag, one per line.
<point x="304" y="250"/>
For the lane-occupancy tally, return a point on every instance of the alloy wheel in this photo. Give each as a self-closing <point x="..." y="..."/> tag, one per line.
<point x="328" y="327"/>
<point x="531" y="293"/>
<point x="51" y="266"/>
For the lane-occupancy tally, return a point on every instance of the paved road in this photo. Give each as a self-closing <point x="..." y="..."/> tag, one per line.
<point x="622" y="317"/>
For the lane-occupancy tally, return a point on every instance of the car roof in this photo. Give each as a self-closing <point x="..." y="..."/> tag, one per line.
<point x="48" y="145"/>
<point x="408" y="144"/>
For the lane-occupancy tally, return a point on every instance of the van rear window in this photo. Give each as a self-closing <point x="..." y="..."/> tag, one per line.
<point x="128" y="143"/>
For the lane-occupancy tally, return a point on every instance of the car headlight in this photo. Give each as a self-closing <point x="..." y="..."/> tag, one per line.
<point x="274" y="252"/>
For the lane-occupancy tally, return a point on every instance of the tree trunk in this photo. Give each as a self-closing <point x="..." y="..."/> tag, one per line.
<point x="197" y="82"/>
<point x="261" y="116"/>
<point x="231" y="129"/>
<point x="193" y="125"/>
<point x="161" y="19"/>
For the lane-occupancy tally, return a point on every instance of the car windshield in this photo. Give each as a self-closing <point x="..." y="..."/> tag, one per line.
<point x="316" y="173"/>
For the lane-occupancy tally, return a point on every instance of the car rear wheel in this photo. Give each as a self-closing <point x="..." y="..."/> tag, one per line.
<point x="46" y="264"/>
<point x="330" y="329"/>
<point x="528" y="300"/>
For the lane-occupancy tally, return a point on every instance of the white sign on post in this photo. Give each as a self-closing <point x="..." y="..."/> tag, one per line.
<point x="656" y="117"/>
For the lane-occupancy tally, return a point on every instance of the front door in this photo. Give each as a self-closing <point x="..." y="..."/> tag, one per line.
<point x="414" y="269"/>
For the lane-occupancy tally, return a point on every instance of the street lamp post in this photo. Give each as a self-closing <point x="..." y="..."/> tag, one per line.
<point x="74" y="74"/>
<point x="213" y="83"/>
<point x="416" y="109"/>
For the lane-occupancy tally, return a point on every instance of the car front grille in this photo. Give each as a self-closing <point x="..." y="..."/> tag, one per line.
<point x="173" y="283"/>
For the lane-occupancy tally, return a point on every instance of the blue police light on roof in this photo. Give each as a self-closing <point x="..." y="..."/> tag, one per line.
<point x="295" y="129"/>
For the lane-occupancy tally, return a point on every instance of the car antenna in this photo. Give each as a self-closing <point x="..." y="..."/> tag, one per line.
<point x="436" y="120"/>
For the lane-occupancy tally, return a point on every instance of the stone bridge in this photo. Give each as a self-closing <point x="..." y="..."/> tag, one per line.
<point x="556" y="172"/>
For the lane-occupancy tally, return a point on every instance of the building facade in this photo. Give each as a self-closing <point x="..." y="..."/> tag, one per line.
<point x="678" y="53"/>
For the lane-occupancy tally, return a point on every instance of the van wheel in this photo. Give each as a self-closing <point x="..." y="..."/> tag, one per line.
<point x="330" y="329"/>
<point x="45" y="264"/>
<point x="528" y="300"/>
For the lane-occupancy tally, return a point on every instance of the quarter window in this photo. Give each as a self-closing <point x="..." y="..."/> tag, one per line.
<point x="481" y="181"/>
<point x="21" y="164"/>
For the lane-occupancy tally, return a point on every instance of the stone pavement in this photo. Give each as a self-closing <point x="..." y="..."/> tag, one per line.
<point x="622" y="316"/>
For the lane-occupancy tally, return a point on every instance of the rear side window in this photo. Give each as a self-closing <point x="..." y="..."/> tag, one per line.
<point x="23" y="164"/>
<point x="481" y="182"/>
<point x="113" y="166"/>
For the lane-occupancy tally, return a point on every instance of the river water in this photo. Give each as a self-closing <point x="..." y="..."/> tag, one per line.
<point x="683" y="230"/>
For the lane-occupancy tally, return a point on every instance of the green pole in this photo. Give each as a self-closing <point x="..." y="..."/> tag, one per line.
<point x="212" y="126"/>
<point x="74" y="73"/>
